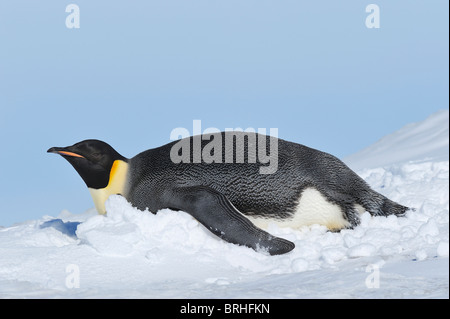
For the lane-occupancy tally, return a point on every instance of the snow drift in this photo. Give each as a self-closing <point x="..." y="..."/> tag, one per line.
<point x="135" y="254"/>
<point x="416" y="142"/>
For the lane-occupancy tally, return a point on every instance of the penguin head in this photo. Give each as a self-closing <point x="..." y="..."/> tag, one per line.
<point x="92" y="159"/>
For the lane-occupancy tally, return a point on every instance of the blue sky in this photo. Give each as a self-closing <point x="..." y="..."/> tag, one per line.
<point x="135" y="70"/>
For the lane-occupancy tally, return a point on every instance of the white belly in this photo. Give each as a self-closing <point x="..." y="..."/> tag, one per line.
<point x="312" y="208"/>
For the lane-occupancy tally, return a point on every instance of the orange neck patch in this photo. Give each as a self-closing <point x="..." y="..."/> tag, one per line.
<point x="117" y="185"/>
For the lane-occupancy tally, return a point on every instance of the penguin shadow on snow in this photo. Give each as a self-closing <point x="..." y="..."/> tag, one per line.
<point x="67" y="228"/>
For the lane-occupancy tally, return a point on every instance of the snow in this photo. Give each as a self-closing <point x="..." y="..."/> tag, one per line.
<point x="135" y="254"/>
<point x="424" y="141"/>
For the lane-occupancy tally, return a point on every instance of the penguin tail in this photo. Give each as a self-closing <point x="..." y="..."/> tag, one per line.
<point x="390" y="207"/>
<point x="379" y="205"/>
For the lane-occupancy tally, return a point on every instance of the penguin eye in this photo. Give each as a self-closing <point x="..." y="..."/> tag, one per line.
<point x="96" y="155"/>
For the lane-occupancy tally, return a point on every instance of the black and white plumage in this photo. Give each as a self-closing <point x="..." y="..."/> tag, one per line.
<point x="230" y="196"/>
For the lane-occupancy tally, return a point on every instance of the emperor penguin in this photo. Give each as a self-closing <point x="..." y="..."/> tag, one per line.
<point x="231" y="195"/>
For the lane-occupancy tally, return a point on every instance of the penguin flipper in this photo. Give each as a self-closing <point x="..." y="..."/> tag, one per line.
<point x="213" y="210"/>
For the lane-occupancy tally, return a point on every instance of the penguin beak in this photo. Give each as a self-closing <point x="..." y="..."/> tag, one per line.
<point x="63" y="151"/>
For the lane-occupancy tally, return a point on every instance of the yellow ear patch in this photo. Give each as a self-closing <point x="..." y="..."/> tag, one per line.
<point x="116" y="185"/>
<point x="114" y="168"/>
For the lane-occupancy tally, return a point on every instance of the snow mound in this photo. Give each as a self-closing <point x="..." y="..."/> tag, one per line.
<point x="424" y="141"/>
<point x="135" y="254"/>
